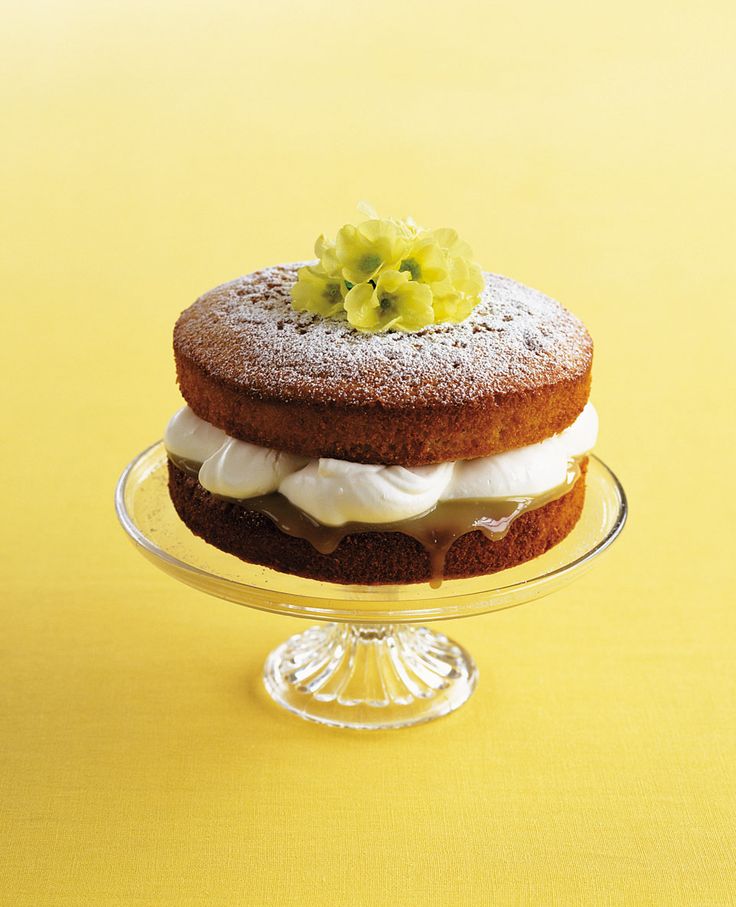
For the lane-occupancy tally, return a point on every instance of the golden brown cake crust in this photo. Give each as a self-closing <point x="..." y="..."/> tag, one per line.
<point x="368" y="558"/>
<point x="513" y="373"/>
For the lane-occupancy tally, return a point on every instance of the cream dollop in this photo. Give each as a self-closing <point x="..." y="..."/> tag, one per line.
<point x="524" y="471"/>
<point x="580" y="437"/>
<point x="336" y="492"/>
<point x="238" y="469"/>
<point x="191" y="438"/>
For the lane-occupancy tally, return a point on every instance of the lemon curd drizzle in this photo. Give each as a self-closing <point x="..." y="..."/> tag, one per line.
<point x="435" y="530"/>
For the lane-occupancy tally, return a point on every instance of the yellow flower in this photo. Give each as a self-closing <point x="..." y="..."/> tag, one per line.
<point x="407" y="228"/>
<point x="452" y="307"/>
<point x="448" y="240"/>
<point x="396" y="303"/>
<point x="325" y="251"/>
<point x="370" y="247"/>
<point x="425" y="261"/>
<point x="467" y="277"/>
<point x="458" y="294"/>
<point x="388" y="274"/>
<point x="317" y="291"/>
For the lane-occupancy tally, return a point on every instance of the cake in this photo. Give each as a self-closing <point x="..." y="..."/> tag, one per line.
<point x="388" y="456"/>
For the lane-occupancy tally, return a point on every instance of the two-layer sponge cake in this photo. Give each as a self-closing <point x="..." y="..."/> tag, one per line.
<point x="389" y="456"/>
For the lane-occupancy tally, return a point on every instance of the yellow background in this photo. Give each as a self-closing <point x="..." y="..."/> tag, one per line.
<point x="152" y="150"/>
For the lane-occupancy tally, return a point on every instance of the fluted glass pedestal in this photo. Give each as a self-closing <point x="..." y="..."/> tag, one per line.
<point x="370" y="675"/>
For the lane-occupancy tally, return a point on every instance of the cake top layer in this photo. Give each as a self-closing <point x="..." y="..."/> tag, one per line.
<point x="246" y="334"/>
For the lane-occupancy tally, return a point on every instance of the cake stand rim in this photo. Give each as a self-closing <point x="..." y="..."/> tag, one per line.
<point x="434" y="609"/>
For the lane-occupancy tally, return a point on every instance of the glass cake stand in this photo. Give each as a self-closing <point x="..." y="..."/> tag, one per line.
<point x="368" y="666"/>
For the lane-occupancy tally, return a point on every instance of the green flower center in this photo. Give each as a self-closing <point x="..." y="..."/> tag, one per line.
<point x="387" y="302"/>
<point x="369" y="263"/>
<point x="412" y="266"/>
<point x="332" y="292"/>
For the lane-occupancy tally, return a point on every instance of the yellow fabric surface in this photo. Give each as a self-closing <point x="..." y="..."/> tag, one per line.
<point x="150" y="151"/>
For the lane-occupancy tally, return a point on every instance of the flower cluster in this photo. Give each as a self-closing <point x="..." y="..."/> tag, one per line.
<point x="389" y="275"/>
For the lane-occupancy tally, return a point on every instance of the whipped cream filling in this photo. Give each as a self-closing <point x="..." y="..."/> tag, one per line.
<point x="238" y="469"/>
<point x="335" y="492"/>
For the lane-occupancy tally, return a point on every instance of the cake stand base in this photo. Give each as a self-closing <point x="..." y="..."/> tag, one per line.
<point x="369" y="676"/>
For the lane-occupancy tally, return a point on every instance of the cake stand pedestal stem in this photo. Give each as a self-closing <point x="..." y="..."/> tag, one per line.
<point x="370" y="676"/>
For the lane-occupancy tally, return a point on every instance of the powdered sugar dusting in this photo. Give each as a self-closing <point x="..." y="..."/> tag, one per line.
<point x="246" y="333"/>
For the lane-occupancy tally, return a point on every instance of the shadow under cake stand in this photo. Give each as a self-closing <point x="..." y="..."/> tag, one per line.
<point x="367" y="665"/>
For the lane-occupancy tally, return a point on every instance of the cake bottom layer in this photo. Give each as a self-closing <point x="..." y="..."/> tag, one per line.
<point x="375" y="557"/>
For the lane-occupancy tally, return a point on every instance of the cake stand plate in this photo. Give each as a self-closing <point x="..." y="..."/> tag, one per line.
<point x="368" y="666"/>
